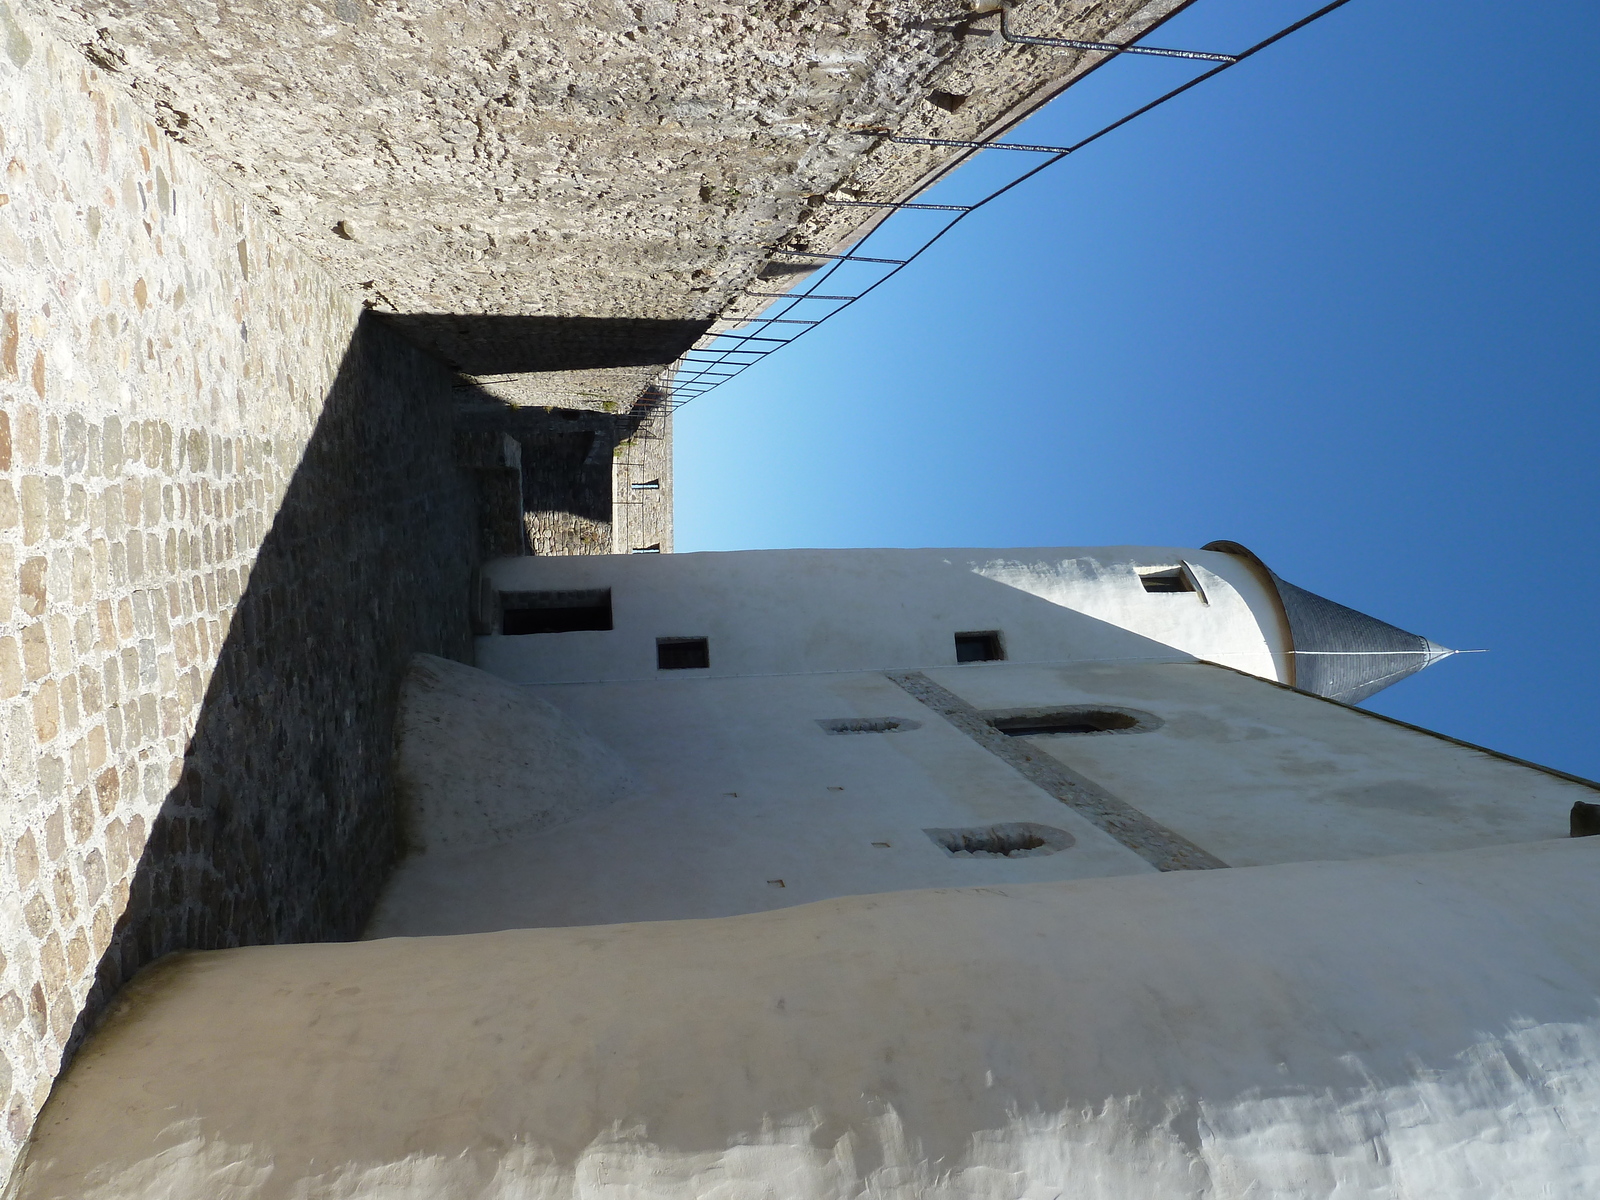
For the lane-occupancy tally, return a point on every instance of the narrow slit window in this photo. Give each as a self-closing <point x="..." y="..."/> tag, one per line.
<point x="649" y="485"/>
<point x="1069" y="720"/>
<point x="1174" y="580"/>
<point x="682" y="653"/>
<point x="979" y="647"/>
<point x="655" y="549"/>
<point x="555" y="612"/>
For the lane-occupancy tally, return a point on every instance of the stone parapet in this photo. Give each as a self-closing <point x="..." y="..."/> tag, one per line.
<point x="523" y="183"/>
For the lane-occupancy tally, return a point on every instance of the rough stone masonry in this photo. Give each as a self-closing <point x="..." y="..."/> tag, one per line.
<point x="543" y="189"/>
<point x="250" y="258"/>
<point x="229" y="511"/>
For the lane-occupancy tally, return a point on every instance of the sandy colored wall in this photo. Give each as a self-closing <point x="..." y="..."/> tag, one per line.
<point x="1420" y="1026"/>
<point x="224" y="524"/>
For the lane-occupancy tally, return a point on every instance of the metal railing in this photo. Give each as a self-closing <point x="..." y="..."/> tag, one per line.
<point x="710" y="362"/>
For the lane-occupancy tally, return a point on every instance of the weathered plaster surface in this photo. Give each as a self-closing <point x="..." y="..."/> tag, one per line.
<point x="228" y="514"/>
<point x="850" y="610"/>
<point x="601" y="161"/>
<point x="479" y="761"/>
<point x="743" y="787"/>
<point x="1416" y="1026"/>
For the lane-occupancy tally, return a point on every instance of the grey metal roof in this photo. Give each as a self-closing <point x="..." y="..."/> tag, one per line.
<point x="1338" y="652"/>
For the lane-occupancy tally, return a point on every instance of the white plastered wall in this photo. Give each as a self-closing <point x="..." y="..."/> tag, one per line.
<point x="1405" y="1027"/>
<point x="777" y="611"/>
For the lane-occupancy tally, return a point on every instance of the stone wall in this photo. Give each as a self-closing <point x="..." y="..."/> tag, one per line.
<point x="643" y="518"/>
<point x="229" y="513"/>
<point x="620" y="170"/>
<point x="577" y="471"/>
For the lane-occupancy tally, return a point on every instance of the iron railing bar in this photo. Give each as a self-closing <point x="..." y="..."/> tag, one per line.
<point x="971" y="144"/>
<point x="1023" y="39"/>
<point x="896" y="262"/>
<point x="768" y="320"/>
<point x="895" y="204"/>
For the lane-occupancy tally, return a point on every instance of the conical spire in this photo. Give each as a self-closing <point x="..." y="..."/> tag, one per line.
<point x="1338" y="652"/>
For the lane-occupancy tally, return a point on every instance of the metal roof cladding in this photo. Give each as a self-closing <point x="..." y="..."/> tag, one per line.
<point x="1336" y="651"/>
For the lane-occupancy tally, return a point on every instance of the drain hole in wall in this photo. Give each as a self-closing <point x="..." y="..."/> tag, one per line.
<point x="1015" y="839"/>
<point x="1067" y="720"/>
<point x="868" y="724"/>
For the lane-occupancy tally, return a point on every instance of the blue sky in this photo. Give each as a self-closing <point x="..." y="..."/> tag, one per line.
<point x="1338" y="304"/>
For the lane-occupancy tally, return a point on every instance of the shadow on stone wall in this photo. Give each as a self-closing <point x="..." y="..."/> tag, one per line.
<point x="506" y="344"/>
<point x="281" y="828"/>
<point x="567" y="456"/>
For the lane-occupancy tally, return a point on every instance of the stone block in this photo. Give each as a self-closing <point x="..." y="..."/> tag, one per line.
<point x="31" y="586"/>
<point x="35" y="650"/>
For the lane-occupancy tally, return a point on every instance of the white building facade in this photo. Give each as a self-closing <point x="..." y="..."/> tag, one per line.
<point x="969" y="873"/>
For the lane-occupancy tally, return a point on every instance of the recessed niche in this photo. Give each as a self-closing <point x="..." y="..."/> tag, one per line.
<point x="1074" y="720"/>
<point x="1174" y="579"/>
<point x="983" y="646"/>
<point x="555" y="612"/>
<point x="868" y="725"/>
<point x="1014" y="839"/>
<point x="682" y="653"/>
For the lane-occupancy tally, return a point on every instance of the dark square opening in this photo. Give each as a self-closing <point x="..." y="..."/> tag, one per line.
<point x="978" y="647"/>
<point x="555" y="612"/>
<point x="682" y="654"/>
<point x="1070" y="720"/>
<point x="1175" y="580"/>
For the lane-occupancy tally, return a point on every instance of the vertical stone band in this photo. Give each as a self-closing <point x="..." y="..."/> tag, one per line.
<point x="1155" y="843"/>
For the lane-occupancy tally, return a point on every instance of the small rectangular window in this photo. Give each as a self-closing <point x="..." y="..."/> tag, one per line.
<point x="682" y="654"/>
<point x="655" y="549"/>
<point x="979" y="647"/>
<point x="1174" y="580"/>
<point x="649" y="485"/>
<point x="555" y="612"/>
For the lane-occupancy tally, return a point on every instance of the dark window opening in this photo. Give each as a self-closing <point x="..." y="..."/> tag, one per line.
<point x="1015" y="839"/>
<point x="649" y="485"/>
<point x="978" y="647"/>
<point x="1175" y="580"/>
<point x="655" y="549"/>
<point x="555" y="612"/>
<point x="682" y="654"/>
<point x="1072" y="720"/>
